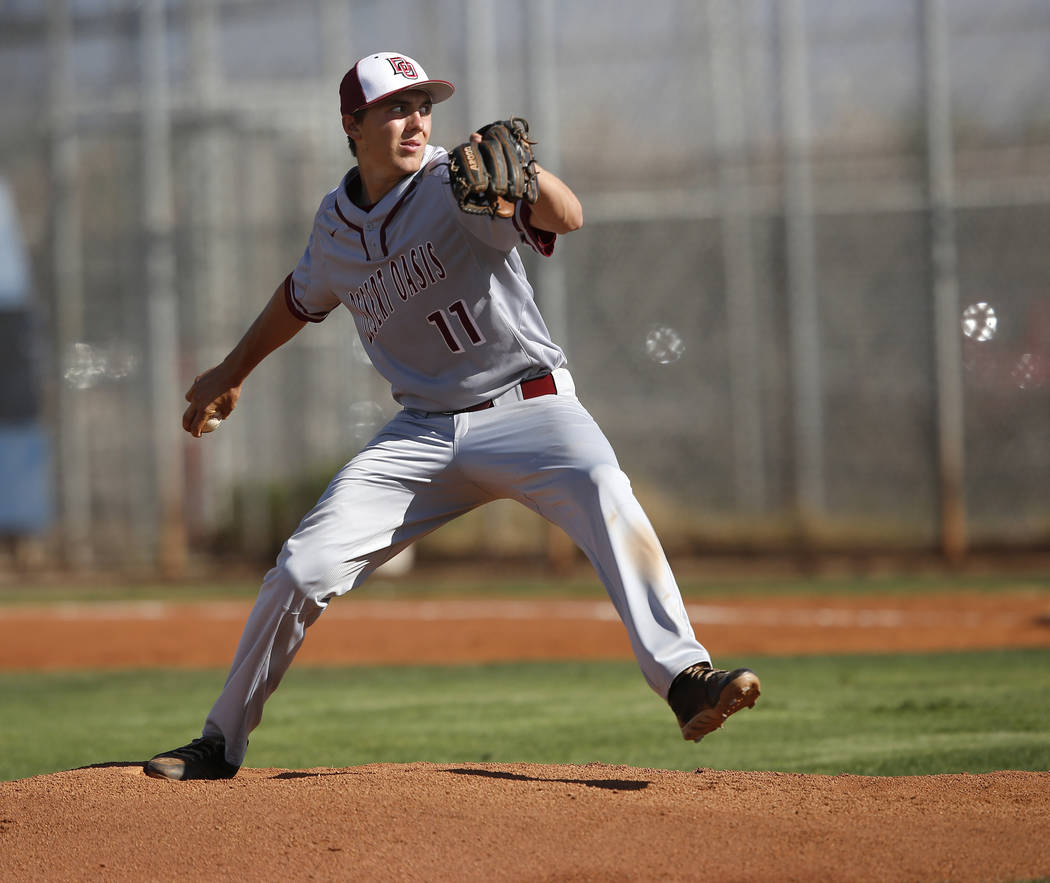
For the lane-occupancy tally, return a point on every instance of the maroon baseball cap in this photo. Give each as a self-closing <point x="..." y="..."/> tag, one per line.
<point x="379" y="76"/>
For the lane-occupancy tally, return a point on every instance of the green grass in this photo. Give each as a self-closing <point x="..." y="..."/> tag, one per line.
<point x="122" y="590"/>
<point x="880" y="715"/>
<point x="536" y="583"/>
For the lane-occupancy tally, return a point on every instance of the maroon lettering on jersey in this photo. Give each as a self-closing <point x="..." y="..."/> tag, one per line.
<point x="371" y="325"/>
<point x="426" y="265"/>
<point x="438" y="266"/>
<point x="370" y="310"/>
<point x="373" y="306"/>
<point x="413" y="288"/>
<point x="399" y="283"/>
<point x="382" y="284"/>
<point x="380" y="294"/>
<point x="414" y="256"/>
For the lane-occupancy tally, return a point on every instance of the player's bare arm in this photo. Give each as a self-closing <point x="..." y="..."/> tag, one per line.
<point x="554" y="207"/>
<point x="557" y="210"/>
<point x="215" y="392"/>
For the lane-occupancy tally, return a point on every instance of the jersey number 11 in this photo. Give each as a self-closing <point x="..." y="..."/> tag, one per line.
<point x="442" y="320"/>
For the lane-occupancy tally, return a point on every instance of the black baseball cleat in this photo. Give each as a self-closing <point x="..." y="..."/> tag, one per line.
<point x="703" y="697"/>
<point x="203" y="758"/>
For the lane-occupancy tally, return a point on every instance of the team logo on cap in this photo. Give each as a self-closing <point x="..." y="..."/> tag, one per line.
<point x="404" y="67"/>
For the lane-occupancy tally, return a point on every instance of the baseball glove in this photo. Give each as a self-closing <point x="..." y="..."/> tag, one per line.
<point x="488" y="177"/>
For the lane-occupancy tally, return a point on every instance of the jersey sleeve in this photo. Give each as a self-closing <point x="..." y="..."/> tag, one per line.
<point x="305" y="293"/>
<point x="540" y="241"/>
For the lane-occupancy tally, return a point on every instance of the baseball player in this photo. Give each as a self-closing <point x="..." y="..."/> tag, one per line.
<point x="421" y="246"/>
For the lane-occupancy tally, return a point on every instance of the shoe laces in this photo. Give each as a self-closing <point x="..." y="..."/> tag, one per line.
<point x="702" y="673"/>
<point x="198" y="749"/>
<point x="701" y="677"/>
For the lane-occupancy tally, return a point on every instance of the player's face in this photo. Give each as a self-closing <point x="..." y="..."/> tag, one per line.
<point x="392" y="135"/>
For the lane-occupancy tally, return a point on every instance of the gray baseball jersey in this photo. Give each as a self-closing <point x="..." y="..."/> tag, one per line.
<point x="429" y="285"/>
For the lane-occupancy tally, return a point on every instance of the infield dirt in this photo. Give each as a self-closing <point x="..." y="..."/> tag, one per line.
<point x="520" y="821"/>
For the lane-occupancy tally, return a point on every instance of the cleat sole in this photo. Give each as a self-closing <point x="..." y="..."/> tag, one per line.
<point x="742" y="692"/>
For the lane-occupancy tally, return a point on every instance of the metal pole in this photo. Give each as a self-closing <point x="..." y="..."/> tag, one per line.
<point x="209" y="271"/>
<point x="482" y="68"/>
<point x="941" y="183"/>
<point x="737" y="255"/>
<point x="336" y="57"/>
<point x="546" y="130"/>
<point x="801" y="269"/>
<point x="551" y="285"/>
<point x="164" y="404"/>
<point x="483" y="106"/>
<point x="68" y="316"/>
<point x="334" y="158"/>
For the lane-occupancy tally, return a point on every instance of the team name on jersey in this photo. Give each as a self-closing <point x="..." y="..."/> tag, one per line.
<point x="394" y="283"/>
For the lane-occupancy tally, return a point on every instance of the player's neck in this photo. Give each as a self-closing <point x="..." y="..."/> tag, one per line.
<point x="356" y="191"/>
<point x="370" y="186"/>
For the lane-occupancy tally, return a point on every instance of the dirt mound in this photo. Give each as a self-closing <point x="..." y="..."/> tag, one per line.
<point x="523" y="822"/>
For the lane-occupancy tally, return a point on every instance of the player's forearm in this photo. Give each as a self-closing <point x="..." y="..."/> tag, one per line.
<point x="557" y="209"/>
<point x="272" y="328"/>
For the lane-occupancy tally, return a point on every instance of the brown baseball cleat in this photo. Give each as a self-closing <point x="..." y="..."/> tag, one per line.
<point x="203" y="758"/>
<point x="703" y="697"/>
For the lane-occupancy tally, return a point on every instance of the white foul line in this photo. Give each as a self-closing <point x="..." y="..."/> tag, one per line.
<point x="516" y="610"/>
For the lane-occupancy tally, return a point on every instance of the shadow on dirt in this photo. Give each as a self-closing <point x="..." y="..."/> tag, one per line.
<point x="608" y="784"/>
<point x="140" y="764"/>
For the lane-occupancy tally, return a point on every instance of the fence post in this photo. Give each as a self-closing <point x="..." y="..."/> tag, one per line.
<point x="945" y="282"/>
<point x="74" y="494"/>
<point x="164" y="406"/>
<point x="801" y="270"/>
<point x="745" y="354"/>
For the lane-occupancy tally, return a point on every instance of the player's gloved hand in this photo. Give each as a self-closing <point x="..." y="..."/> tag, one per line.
<point x="494" y="169"/>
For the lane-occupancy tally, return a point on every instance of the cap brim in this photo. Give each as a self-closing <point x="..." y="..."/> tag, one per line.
<point x="438" y="90"/>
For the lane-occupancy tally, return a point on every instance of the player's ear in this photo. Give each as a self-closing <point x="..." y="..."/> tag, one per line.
<point x="351" y="126"/>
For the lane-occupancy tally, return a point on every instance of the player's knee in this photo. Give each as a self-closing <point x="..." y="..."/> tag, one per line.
<point x="619" y="507"/>
<point x="591" y="485"/>
<point x="304" y="578"/>
<point x="609" y="481"/>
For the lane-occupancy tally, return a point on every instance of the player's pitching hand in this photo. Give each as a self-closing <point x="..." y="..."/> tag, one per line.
<point x="212" y="398"/>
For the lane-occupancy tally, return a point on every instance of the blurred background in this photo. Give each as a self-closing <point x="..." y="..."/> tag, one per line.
<point x="809" y="304"/>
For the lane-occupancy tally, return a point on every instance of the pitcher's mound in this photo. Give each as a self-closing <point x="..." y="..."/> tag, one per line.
<point x="523" y="822"/>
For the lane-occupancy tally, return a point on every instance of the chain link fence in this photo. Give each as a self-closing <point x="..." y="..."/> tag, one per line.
<point x="809" y="304"/>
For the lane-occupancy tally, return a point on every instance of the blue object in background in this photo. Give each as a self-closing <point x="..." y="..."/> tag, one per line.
<point x="25" y="479"/>
<point x="14" y="267"/>
<point x="25" y="450"/>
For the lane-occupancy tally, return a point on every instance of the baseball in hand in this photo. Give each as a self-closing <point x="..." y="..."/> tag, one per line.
<point x="211" y="424"/>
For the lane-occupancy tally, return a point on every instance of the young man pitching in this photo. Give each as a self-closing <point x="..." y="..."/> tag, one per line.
<point x="420" y="245"/>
